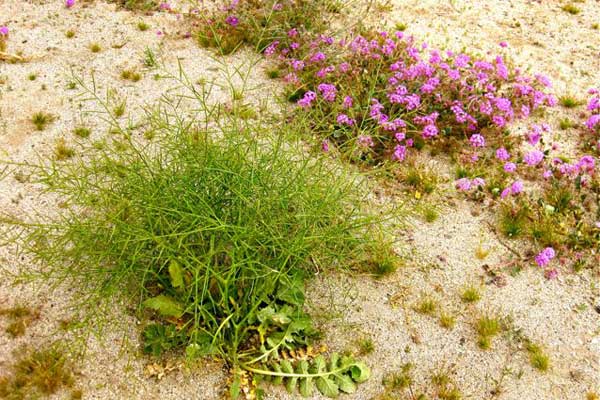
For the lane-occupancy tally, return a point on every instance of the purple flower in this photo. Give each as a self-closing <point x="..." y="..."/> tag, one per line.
<point x="69" y="3"/>
<point x="503" y="44"/>
<point x="399" y="153"/>
<point x="510" y="167"/>
<point x="516" y="187"/>
<point x="533" y="158"/>
<point x="502" y="154"/>
<point x="347" y="102"/>
<point x="463" y="184"/>
<point x="429" y="131"/>
<point x="343" y="119"/>
<point x="478" y="182"/>
<point x="544" y="257"/>
<point x="307" y="99"/>
<point x="477" y="140"/>
<point x="163" y="6"/>
<point x="3" y="30"/>
<point x="232" y="20"/>
<point x="593" y="121"/>
<point x="328" y="91"/>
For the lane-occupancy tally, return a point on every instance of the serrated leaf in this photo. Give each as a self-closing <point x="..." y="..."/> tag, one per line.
<point x="327" y="387"/>
<point x="176" y="274"/>
<point x="277" y="380"/>
<point x="319" y="364"/>
<point x="360" y="372"/>
<point x="290" y="384"/>
<point x="306" y="385"/>
<point x="333" y="361"/>
<point x="165" y="306"/>
<point x="286" y="367"/>
<point x="345" y="383"/>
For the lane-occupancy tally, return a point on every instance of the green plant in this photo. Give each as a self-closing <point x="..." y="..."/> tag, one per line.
<point x="447" y="321"/>
<point x="571" y="9"/>
<point x="595" y="26"/>
<point x="41" y="120"/>
<point x="95" y="48"/>
<point x="143" y="26"/>
<point x="566" y="123"/>
<point x="150" y="58"/>
<point x="32" y="76"/>
<point x="119" y="109"/>
<point x="70" y="34"/>
<point x="365" y="345"/>
<point x="137" y="5"/>
<point x="400" y="26"/>
<point x="214" y="238"/>
<point x="20" y="317"/>
<point x="514" y="219"/>
<point x="470" y="295"/>
<point x="62" y="151"/>
<point x="426" y="306"/>
<point x="487" y="327"/>
<point x="569" y="101"/>
<point x="273" y="73"/>
<point x="82" y="131"/>
<point x="537" y="358"/>
<point x="37" y="373"/>
<point x="130" y="75"/>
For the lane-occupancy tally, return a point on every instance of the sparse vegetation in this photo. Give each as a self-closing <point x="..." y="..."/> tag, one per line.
<point x="41" y="120"/>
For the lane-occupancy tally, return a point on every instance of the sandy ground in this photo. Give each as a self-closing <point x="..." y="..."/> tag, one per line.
<point x="557" y="314"/>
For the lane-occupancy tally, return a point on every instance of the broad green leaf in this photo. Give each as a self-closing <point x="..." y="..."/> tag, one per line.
<point x="265" y="314"/>
<point x="345" y="383"/>
<point x="286" y="367"/>
<point x="306" y="385"/>
<point x="360" y="372"/>
<point x="176" y="274"/>
<point x="165" y="306"/>
<point x="327" y="387"/>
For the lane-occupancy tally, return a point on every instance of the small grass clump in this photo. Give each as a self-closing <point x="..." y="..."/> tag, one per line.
<point x="41" y="120"/>
<point x="426" y="306"/>
<point x="569" y="101"/>
<point x="119" y="109"/>
<point x="130" y="75"/>
<point x="470" y="295"/>
<point x="365" y="346"/>
<point x="566" y="123"/>
<point x="62" y="150"/>
<point x="447" y="321"/>
<point x="537" y="358"/>
<point x="19" y="317"/>
<point x="95" y="48"/>
<point x="487" y="327"/>
<point x="70" y="34"/>
<point x="82" y="131"/>
<point x="37" y="374"/>
<point x="32" y="77"/>
<point x="571" y="9"/>
<point x="143" y="26"/>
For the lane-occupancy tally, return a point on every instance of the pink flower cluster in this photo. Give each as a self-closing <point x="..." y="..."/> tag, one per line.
<point x="593" y="123"/>
<point x="545" y="256"/>
<point x="417" y="91"/>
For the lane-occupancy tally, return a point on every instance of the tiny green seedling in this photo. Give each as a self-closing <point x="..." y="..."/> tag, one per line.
<point x="487" y="327"/>
<point x="571" y="9"/>
<point x="95" y="48"/>
<point x="470" y="295"/>
<point x="131" y="75"/>
<point x="426" y="306"/>
<point x="566" y="123"/>
<point x="143" y="26"/>
<point x="447" y="321"/>
<point x="62" y="150"/>
<point x="537" y="358"/>
<point x="569" y="101"/>
<point x="32" y="77"/>
<point x="119" y="109"/>
<point x="41" y="120"/>
<point x="82" y="131"/>
<point x="70" y="34"/>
